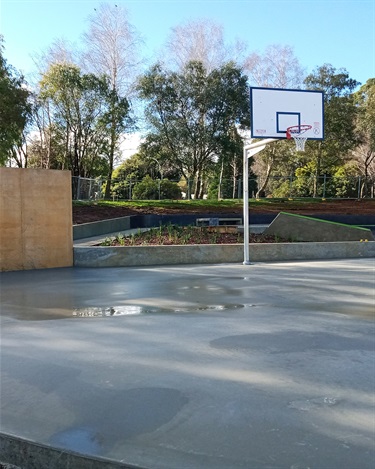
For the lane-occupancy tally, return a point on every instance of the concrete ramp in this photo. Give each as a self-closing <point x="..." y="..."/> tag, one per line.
<point x="302" y="228"/>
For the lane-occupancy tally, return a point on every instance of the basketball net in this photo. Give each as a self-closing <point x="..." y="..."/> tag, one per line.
<point x="296" y="132"/>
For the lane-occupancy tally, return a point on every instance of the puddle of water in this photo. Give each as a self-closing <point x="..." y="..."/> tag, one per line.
<point x="131" y="310"/>
<point x="47" y="314"/>
<point x="94" y="312"/>
<point x="82" y="440"/>
<point x="112" y="416"/>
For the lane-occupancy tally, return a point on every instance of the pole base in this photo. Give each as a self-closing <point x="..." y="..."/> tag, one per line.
<point x="247" y="263"/>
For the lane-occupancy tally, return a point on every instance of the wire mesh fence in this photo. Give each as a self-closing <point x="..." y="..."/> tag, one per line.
<point x="276" y="187"/>
<point x="86" y="188"/>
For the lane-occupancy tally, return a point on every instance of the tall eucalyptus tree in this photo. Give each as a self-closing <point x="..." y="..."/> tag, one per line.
<point x="112" y="49"/>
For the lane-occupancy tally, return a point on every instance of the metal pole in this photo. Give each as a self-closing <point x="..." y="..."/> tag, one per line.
<point x="246" y="228"/>
<point x="248" y="151"/>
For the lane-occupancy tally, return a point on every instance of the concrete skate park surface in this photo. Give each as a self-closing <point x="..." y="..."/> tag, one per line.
<point x="228" y="366"/>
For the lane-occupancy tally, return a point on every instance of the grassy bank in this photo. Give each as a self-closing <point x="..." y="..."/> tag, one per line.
<point x="217" y="205"/>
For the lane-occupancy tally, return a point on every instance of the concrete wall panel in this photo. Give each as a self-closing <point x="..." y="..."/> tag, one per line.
<point x="35" y="219"/>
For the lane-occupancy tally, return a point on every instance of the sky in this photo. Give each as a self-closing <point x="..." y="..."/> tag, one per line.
<point x="336" y="32"/>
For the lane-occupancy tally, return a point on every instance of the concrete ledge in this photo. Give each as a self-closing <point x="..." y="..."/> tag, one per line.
<point x="86" y="230"/>
<point x="107" y="256"/>
<point x="25" y="454"/>
<point x="302" y="228"/>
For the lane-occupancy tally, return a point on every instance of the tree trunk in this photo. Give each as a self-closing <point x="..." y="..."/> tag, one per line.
<point x="197" y="187"/>
<point x="111" y="158"/>
<point x="234" y="178"/>
<point x="262" y="188"/>
<point x="317" y="172"/>
<point x="219" y="191"/>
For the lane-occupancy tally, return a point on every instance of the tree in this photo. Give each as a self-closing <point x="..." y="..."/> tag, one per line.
<point x="191" y="113"/>
<point x="112" y="50"/>
<point x="226" y="177"/>
<point x="364" y="153"/>
<point x="15" y="109"/>
<point x="275" y="156"/>
<point x="132" y="170"/>
<point x="202" y="41"/>
<point x="277" y="67"/>
<point x="149" y="189"/>
<point x="339" y="119"/>
<point x="82" y="107"/>
<point x="61" y="51"/>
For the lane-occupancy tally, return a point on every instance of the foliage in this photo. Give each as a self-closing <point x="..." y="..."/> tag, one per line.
<point x="15" y="108"/>
<point x="344" y="182"/>
<point x="150" y="189"/>
<point x="364" y="153"/>
<point x="147" y="189"/>
<point x="131" y="170"/>
<point x="83" y="106"/>
<point x="191" y="112"/>
<point x="339" y="119"/>
<point x="169" y="190"/>
<point x="365" y="98"/>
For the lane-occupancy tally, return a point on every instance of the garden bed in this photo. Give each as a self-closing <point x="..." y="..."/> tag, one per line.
<point x="187" y="235"/>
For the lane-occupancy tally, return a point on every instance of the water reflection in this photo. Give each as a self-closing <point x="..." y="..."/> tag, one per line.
<point x="132" y="310"/>
<point x="94" y="312"/>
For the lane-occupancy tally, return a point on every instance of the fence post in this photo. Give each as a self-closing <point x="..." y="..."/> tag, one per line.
<point x="359" y="187"/>
<point x="90" y="189"/>
<point x="324" y="186"/>
<point x="78" y="188"/>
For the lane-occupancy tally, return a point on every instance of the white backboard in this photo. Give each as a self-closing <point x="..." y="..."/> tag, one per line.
<point x="273" y="110"/>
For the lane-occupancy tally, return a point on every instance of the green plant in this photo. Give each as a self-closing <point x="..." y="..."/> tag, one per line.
<point x="106" y="242"/>
<point x="169" y="190"/>
<point x="120" y="238"/>
<point x="147" y="189"/>
<point x="150" y="189"/>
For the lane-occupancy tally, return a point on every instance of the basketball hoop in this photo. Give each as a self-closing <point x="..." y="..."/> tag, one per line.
<point x="296" y="132"/>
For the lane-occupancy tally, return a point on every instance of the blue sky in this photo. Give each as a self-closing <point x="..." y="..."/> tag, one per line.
<point x="338" y="32"/>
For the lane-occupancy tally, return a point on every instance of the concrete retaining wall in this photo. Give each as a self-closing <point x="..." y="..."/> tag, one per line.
<point x="113" y="225"/>
<point x="106" y="256"/>
<point x="302" y="228"/>
<point x="35" y="219"/>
